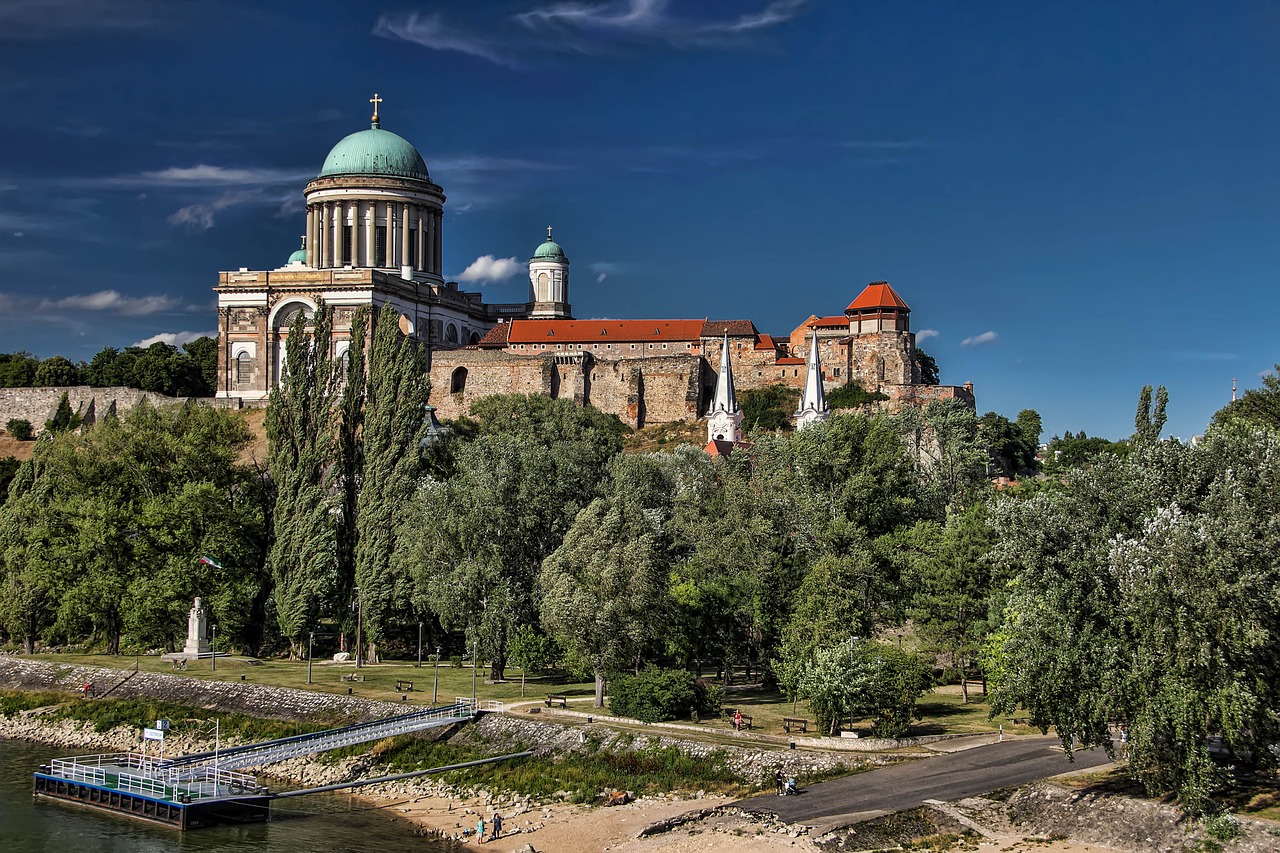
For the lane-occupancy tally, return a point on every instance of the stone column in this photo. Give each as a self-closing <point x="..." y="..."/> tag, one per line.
<point x="438" y="226"/>
<point x="338" y="215"/>
<point x="323" y="242"/>
<point x="370" y="221"/>
<point x="421" y="237"/>
<point x="404" y="234"/>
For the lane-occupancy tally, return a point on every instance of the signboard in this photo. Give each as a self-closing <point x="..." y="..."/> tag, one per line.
<point x="152" y="734"/>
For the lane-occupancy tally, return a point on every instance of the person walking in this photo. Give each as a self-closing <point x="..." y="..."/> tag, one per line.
<point x="497" y="827"/>
<point x="779" y="781"/>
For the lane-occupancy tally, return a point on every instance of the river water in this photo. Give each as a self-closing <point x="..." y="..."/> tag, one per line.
<point x="330" y="823"/>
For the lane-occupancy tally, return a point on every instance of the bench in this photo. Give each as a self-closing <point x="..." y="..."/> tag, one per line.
<point x="1022" y="721"/>
<point x="558" y="697"/>
<point x="180" y="664"/>
<point x="403" y="686"/>
<point x="746" y="722"/>
<point x="353" y="676"/>
<point x="795" y="722"/>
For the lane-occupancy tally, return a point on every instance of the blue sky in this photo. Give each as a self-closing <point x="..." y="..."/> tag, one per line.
<point x="1075" y="198"/>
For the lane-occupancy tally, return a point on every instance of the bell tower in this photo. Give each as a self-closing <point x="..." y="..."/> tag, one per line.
<point x="549" y="282"/>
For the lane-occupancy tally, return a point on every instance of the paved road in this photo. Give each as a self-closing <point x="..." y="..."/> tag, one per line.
<point x="948" y="777"/>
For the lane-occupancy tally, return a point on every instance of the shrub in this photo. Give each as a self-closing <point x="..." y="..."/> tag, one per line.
<point x="662" y="694"/>
<point x="456" y="661"/>
<point x="20" y="429"/>
<point x="851" y="395"/>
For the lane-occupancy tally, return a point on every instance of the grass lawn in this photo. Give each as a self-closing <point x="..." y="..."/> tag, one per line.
<point x="379" y="679"/>
<point x="942" y="711"/>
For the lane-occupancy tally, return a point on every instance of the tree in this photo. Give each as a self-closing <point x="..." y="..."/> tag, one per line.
<point x="603" y="590"/>
<point x="394" y="419"/>
<point x="64" y="418"/>
<point x="852" y="395"/>
<point x="300" y="425"/>
<point x="345" y="474"/>
<point x="768" y="409"/>
<point x="928" y="368"/>
<point x="18" y="370"/>
<point x="475" y="540"/>
<point x="951" y="576"/>
<point x="19" y="428"/>
<point x="204" y="358"/>
<point x="952" y="458"/>
<point x="56" y="372"/>
<point x="1258" y="406"/>
<point x="102" y="528"/>
<point x="866" y="679"/>
<point x="530" y="650"/>
<point x="1144" y="593"/>
<point x="1148" y="422"/>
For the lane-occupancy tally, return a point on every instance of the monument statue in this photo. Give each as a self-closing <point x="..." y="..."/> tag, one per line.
<point x="197" y="631"/>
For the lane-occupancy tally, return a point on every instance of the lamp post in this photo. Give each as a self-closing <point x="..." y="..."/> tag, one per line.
<point x="435" y="685"/>
<point x="310" y="640"/>
<point x="213" y="654"/>
<point x="419" y="645"/>
<point x="359" y="621"/>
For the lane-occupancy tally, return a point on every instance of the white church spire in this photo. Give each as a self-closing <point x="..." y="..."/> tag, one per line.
<point x="724" y="419"/>
<point x="813" y="404"/>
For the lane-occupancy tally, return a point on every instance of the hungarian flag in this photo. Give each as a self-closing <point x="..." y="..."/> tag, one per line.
<point x="209" y="561"/>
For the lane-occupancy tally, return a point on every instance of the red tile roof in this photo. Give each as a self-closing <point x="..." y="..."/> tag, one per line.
<point x="496" y="337"/>
<point x="600" y="331"/>
<point x="789" y="360"/>
<point x="878" y="294"/>
<point x="826" y="322"/>
<point x="718" y="447"/>
<point x="766" y="342"/>
<point x="735" y="328"/>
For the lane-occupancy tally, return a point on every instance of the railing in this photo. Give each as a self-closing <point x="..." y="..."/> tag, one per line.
<point x="155" y="777"/>
<point x="129" y="673"/>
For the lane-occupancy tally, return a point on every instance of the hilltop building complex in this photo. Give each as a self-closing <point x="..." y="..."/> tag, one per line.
<point x="374" y="236"/>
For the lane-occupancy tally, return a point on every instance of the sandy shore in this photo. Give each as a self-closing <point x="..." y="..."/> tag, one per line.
<point x="582" y="829"/>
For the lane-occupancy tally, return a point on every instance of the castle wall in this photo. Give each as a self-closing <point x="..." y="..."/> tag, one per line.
<point x="37" y="405"/>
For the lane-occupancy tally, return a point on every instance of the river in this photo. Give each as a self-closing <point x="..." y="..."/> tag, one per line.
<point x="321" y="822"/>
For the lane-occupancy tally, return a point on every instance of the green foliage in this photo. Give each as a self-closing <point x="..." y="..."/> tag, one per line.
<point x="1144" y="592"/>
<point x="769" y="408"/>
<point x="1258" y="406"/>
<point x="393" y="428"/>
<point x="858" y="680"/>
<point x="1012" y="445"/>
<point x="20" y="428"/>
<point x="102" y="528"/>
<point x="160" y="367"/>
<point x="18" y="369"/>
<point x="851" y="395"/>
<point x="476" y="539"/>
<point x="55" y="372"/>
<point x="9" y="466"/>
<point x="303" y="560"/>
<point x="63" y="417"/>
<point x="950" y="450"/>
<point x="1149" y="422"/>
<point x="655" y="694"/>
<point x="1079" y="450"/>
<point x="928" y="368"/>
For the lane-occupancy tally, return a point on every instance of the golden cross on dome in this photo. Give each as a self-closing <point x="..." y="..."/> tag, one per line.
<point x="548" y="232"/>
<point x="375" y="100"/>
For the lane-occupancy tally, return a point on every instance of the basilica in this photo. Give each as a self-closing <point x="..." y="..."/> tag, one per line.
<point x="374" y="237"/>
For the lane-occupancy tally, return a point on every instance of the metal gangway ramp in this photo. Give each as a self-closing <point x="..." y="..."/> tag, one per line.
<point x="281" y="749"/>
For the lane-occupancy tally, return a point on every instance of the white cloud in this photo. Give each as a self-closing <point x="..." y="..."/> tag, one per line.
<point x="583" y="28"/>
<point x="432" y="32"/>
<point x="200" y="217"/>
<point x="600" y="278"/>
<point x="110" y="300"/>
<point x="487" y="268"/>
<point x="925" y="334"/>
<point x="175" y="339"/>
<point x="19" y="234"/>
<point x="978" y="340"/>
<point x="204" y="175"/>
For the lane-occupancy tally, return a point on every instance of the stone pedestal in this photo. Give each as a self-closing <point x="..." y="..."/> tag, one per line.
<point x="197" y="632"/>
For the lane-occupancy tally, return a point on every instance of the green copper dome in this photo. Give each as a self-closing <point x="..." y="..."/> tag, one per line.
<point x="298" y="257"/>
<point x="375" y="152"/>
<point x="549" y="251"/>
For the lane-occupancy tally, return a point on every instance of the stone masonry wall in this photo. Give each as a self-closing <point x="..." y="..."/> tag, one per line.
<point x="37" y="405"/>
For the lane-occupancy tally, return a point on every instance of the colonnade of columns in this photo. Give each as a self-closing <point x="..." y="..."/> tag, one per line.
<point x="413" y="234"/>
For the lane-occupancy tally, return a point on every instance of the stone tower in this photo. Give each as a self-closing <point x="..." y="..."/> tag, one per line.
<point x="549" y="282"/>
<point x="813" y="403"/>
<point x="724" y="418"/>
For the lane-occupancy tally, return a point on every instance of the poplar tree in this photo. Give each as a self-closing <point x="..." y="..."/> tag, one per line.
<point x="300" y="435"/>
<point x="346" y="470"/>
<point x="394" y="424"/>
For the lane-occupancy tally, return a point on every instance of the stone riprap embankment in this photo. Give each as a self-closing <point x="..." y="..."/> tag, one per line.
<point x="256" y="700"/>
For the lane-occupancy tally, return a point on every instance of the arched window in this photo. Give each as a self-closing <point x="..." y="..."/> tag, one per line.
<point x="474" y="339"/>
<point x="458" y="381"/>
<point x="285" y="316"/>
<point x="450" y="334"/>
<point x="244" y="368"/>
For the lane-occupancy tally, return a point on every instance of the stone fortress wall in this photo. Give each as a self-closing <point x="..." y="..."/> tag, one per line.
<point x="37" y="405"/>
